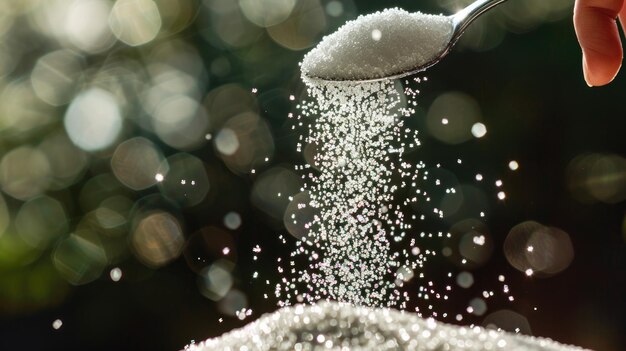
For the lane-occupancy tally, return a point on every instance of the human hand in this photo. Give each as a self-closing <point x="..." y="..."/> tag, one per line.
<point x="596" y="29"/>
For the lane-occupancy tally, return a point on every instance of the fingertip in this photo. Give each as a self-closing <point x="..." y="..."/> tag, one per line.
<point x="596" y="29"/>
<point x="599" y="71"/>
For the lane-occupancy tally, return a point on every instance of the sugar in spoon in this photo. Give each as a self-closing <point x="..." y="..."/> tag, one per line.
<point x="389" y="44"/>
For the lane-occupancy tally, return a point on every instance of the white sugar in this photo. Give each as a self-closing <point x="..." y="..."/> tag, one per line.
<point x="356" y="244"/>
<point x="378" y="45"/>
<point x="348" y="244"/>
<point x="338" y="326"/>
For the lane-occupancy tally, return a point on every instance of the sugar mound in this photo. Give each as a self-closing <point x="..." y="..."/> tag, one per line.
<point x="383" y="44"/>
<point x="336" y="326"/>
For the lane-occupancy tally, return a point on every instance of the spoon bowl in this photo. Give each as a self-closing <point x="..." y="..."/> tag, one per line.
<point x="389" y="44"/>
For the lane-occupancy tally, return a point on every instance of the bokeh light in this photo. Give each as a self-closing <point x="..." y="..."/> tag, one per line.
<point x="79" y="260"/>
<point x="303" y="27"/>
<point x="40" y="221"/>
<point x="108" y="229"/>
<point x="334" y="8"/>
<point x="157" y="239"/>
<point x="272" y="190"/>
<point x="229" y="27"/>
<point x="597" y="178"/>
<point x="135" y="22"/>
<point x="465" y="279"/>
<point x="232" y="220"/>
<point x="227" y="101"/>
<point x="267" y="13"/>
<point x="451" y="118"/>
<point x="226" y="142"/>
<point x="234" y="302"/>
<point x="22" y="113"/>
<point x="113" y="212"/>
<point x="55" y="75"/>
<point x="67" y="162"/>
<point x="245" y="142"/>
<point x="57" y="324"/>
<point x="479" y="130"/>
<point x="116" y="274"/>
<point x="97" y="190"/>
<point x="181" y="122"/>
<point x="86" y="24"/>
<point x="176" y="15"/>
<point x="93" y="120"/>
<point x="216" y="280"/>
<point x="185" y="179"/>
<point x="477" y="306"/>
<point x="524" y="17"/>
<point x="24" y="173"/>
<point x="135" y="163"/>
<point x="539" y="250"/>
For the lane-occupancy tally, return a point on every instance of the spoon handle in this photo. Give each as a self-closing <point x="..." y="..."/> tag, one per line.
<point x="465" y="17"/>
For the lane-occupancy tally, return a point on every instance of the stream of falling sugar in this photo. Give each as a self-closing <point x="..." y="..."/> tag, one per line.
<point x="357" y="243"/>
<point x="359" y="246"/>
<point x="355" y="235"/>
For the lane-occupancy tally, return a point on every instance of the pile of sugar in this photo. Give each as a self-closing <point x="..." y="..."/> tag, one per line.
<point x="383" y="44"/>
<point x="336" y="326"/>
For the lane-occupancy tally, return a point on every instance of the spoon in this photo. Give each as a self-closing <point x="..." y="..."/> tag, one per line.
<point x="389" y="44"/>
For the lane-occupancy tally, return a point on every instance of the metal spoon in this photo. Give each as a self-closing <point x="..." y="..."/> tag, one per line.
<point x="459" y="21"/>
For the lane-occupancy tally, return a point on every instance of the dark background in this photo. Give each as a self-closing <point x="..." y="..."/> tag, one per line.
<point x="521" y="65"/>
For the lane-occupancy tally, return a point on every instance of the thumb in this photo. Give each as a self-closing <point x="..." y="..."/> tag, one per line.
<point x="596" y="29"/>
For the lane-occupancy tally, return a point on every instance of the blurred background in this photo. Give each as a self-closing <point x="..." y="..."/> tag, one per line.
<point x="142" y="143"/>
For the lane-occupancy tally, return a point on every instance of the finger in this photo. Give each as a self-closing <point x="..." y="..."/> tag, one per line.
<point x="596" y="29"/>
<point x="622" y="16"/>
